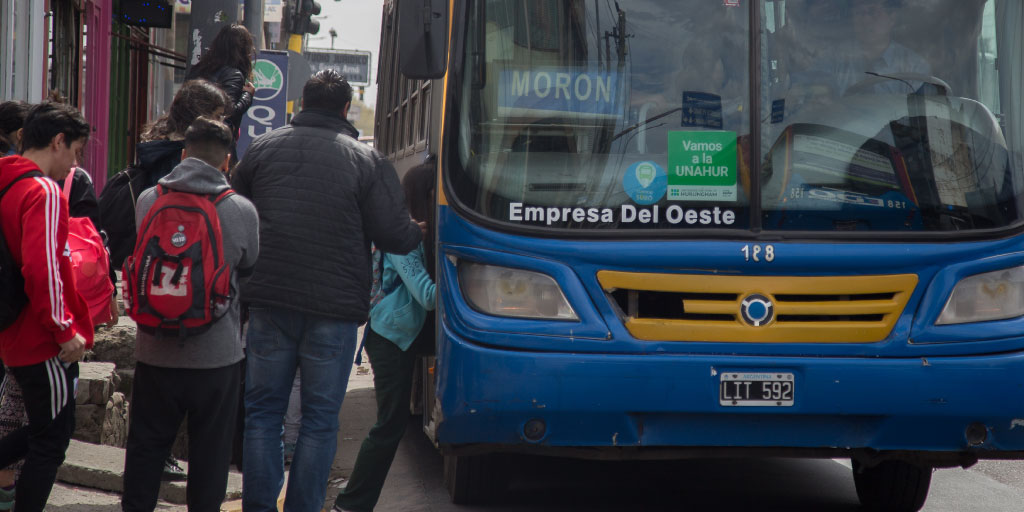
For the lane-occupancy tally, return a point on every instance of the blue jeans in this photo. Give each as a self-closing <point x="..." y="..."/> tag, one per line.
<point x="279" y="341"/>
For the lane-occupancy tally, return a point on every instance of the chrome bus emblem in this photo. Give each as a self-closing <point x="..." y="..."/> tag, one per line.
<point x="757" y="310"/>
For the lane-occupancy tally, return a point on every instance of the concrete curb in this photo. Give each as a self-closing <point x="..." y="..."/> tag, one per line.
<point x="102" y="467"/>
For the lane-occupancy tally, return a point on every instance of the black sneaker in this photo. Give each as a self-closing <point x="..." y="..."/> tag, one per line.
<point x="173" y="470"/>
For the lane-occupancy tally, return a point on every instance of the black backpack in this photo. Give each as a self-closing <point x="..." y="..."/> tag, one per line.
<point x="12" y="283"/>
<point x="117" y="212"/>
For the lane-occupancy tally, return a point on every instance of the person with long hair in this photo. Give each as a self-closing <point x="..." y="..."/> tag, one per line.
<point x="228" y="63"/>
<point x="393" y="341"/>
<point x="157" y="154"/>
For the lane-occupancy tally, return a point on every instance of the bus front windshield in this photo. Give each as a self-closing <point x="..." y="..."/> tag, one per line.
<point x="871" y="115"/>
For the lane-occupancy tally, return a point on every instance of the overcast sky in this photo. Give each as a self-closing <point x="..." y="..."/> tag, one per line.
<point x="357" y="23"/>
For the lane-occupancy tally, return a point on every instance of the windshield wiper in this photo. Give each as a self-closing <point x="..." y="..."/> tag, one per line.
<point x="879" y="75"/>
<point x="644" y="122"/>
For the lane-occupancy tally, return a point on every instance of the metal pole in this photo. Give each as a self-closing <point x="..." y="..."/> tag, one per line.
<point x="253" y="17"/>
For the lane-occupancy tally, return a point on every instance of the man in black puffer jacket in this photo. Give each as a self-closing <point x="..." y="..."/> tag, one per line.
<point x="322" y="198"/>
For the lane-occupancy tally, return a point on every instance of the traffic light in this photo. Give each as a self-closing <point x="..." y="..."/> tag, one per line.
<point x="302" y="21"/>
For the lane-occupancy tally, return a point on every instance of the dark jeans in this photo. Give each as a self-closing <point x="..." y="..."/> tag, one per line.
<point x="280" y="341"/>
<point x="161" y="399"/>
<point x="49" y="392"/>
<point x="392" y="381"/>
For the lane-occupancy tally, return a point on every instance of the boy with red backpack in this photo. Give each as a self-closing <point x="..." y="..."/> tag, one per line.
<point x="196" y="241"/>
<point x="49" y="329"/>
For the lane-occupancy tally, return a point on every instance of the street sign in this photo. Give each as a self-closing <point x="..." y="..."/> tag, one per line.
<point x="272" y="11"/>
<point x="354" y="65"/>
<point x="270" y="103"/>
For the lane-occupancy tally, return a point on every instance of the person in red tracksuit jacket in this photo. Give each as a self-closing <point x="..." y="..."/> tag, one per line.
<point x="41" y="349"/>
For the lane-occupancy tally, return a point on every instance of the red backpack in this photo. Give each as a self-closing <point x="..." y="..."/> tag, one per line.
<point x="90" y="263"/>
<point x="176" y="281"/>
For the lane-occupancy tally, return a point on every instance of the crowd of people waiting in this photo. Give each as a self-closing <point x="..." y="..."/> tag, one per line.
<point x="292" y="223"/>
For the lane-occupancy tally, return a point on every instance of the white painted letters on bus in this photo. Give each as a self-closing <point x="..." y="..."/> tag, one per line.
<point x="628" y="214"/>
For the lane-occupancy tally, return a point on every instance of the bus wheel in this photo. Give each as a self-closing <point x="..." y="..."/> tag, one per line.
<point x="892" y="486"/>
<point x="474" y="479"/>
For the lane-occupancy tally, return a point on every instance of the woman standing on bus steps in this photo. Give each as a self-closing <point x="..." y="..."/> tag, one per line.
<point x="394" y="343"/>
<point x="228" y="63"/>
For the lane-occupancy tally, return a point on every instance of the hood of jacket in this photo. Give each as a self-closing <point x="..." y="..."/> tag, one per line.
<point x="196" y="176"/>
<point x="325" y="119"/>
<point x="151" y="153"/>
<point x="13" y="166"/>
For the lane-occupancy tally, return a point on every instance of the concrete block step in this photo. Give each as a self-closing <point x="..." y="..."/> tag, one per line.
<point x="102" y="467"/>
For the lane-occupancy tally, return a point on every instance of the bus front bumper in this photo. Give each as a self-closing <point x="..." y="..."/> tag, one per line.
<point x="498" y="399"/>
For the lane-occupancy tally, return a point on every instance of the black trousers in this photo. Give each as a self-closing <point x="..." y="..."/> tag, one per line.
<point x="161" y="399"/>
<point x="392" y="384"/>
<point x="49" y="392"/>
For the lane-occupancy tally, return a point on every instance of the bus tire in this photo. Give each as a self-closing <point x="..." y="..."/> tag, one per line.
<point x="892" y="485"/>
<point x="473" y="479"/>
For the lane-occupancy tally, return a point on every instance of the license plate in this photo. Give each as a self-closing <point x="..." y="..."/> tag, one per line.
<point x="756" y="389"/>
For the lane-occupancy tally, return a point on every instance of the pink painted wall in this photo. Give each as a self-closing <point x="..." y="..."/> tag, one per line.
<point x="98" y="14"/>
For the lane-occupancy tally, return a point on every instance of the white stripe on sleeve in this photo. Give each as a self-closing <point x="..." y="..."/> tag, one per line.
<point x="53" y="252"/>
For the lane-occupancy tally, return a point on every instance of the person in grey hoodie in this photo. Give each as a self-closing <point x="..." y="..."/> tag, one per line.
<point x="196" y="376"/>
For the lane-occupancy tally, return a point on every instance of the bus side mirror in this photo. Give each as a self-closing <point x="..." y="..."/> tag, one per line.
<point x="423" y="38"/>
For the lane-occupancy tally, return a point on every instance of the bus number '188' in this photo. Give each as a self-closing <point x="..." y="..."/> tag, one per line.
<point x="758" y="253"/>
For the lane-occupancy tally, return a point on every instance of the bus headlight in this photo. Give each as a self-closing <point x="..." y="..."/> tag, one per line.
<point x="504" y="291"/>
<point x="990" y="296"/>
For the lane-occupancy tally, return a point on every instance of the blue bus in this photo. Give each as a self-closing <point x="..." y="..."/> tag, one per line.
<point x="701" y="228"/>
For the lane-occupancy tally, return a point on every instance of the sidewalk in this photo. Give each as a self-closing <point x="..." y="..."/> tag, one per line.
<point x="90" y="479"/>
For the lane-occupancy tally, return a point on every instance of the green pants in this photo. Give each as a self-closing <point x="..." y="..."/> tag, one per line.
<point x="392" y="381"/>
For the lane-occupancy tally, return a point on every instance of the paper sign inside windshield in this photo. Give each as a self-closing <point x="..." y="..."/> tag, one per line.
<point x="543" y="91"/>
<point x="702" y="110"/>
<point x="701" y="166"/>
<point x="827" y="157"/>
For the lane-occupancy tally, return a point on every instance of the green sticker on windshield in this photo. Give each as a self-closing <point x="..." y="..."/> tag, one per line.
<point x="701" y="166"/>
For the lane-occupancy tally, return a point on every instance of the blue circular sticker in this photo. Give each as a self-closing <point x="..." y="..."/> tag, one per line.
<point x="645" y="182"/>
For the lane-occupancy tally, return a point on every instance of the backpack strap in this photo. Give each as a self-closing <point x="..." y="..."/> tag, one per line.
<point x="129" y="175"/>
<point x="67" y="183"/>
<point x="30" y="174"/>
<point x="214" y="198"/>
<point x="222" y="196"/>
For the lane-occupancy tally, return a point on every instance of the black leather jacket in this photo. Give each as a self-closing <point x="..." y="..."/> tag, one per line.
<point x="232" y="81"/>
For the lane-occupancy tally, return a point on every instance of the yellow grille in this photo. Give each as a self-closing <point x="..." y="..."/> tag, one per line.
<point x="686" y="307"/>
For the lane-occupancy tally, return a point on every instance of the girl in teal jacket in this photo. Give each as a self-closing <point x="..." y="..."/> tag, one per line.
<point x="399" y="316"/>
<point x="394" y="343"/>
